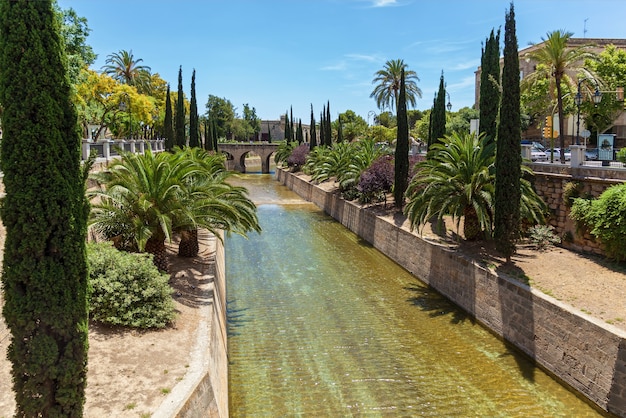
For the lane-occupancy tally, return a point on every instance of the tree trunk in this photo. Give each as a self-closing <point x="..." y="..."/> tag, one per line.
<point x="471" y="226"/>
<point x="188" y="246"/>
<point x="156" y="247"/>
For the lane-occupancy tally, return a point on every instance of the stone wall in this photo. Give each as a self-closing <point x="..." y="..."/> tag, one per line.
<point x="550" y="181"/>
<point x="586" y="354"/>
<point x="204" y="390"/>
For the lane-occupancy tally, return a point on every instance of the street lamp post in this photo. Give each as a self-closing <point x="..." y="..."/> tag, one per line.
<point x="597" y="97"/>
<point x="449" y="105"/>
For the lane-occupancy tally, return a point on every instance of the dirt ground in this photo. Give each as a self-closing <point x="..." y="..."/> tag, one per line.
<point x="131" y="372"/>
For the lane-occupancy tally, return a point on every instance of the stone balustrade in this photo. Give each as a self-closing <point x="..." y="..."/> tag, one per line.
<point x="109" y="148"/>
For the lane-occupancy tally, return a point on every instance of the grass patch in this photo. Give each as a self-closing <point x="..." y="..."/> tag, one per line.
<point x="165" y="391"/>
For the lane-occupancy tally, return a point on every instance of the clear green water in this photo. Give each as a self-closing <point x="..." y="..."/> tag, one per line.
<point x="323" y="325"/>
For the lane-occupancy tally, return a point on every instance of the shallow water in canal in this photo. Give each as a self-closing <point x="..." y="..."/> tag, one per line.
<point x="321" y="324"/>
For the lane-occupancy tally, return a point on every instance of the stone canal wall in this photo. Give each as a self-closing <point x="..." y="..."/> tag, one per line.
<point x="584" y="353"/>
<point x="204" y="390"/>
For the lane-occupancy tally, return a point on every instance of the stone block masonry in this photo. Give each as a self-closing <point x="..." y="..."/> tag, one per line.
<point x="582" y="352"/>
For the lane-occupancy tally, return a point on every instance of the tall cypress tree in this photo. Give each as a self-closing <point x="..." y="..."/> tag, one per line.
<point x="168" y="125"/>
<point x="287" y="134"/>
<point x="322" y="129"/>
<point x="269" y="134"/>
<point x="292" y="131"/>
<point x="179" y="121"/>
<point x="490" y="86"/>
<point x="214" y="134"/>
<point x="508" y="147"/>
<point x="193" y="114"/>
<point x="438" y="120"/>
<point x="205" y="127"/>
<point x="299" y="133"/>
<point x="313" y="142"/>
<point x="329" y="129"/>
<point x="339" y="130"/>
<point x="44" y="276"/>
<point x="401" y="162"/>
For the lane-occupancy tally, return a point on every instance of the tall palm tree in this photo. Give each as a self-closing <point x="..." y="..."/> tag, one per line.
<point x="387" y="82"/>
<point x="459" y="181"/>
<point x="558" y="59"/>
<point x="123" y="67"/>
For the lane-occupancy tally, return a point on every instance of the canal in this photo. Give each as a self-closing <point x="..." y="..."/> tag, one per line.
<point x="321" y="324"/>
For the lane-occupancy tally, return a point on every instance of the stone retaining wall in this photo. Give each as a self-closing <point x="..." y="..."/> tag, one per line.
<point x="584" y="353"/>
<point x="204" y="390"/>
<point x="550" y="181"/>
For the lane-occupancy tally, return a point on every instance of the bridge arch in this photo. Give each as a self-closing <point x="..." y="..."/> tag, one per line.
<point x="236" y="155"/>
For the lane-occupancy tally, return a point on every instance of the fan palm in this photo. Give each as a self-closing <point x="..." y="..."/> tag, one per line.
<point x="459" y="181"/>
<point x="123" y="67"/>
<point x="387" y="82"/>
<point x="146" y="198"/>
<point x="138" y="202"/>
<point x="214" y="204"/>
<point x="456" y="181"/>
<point x="554" y="59"/>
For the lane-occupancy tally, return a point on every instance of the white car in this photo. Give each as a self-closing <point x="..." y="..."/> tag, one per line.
<point x="557" y="154"/>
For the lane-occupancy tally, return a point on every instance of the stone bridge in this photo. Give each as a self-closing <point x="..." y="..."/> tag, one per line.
<point x="236" y="155"/>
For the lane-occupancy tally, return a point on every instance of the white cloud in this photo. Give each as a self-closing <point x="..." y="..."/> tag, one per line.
<point x="384" y="3"/>
<point x="340" y="66"/>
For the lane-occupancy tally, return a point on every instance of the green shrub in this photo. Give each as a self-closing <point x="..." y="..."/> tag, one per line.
<point x="606" y="219"/>
<point x="543" y="236"/>
<point x="127" y="289"/>
<point x="621" y="156"/>
<point x="571" y="191"/>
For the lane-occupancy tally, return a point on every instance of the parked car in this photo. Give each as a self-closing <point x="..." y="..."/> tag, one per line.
<point x="591" y="154"/>
<point x="557" y="154"/>
<point x="537" y="151"/>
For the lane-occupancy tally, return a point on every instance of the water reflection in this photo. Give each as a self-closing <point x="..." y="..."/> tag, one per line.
<point x="322" y="324"/>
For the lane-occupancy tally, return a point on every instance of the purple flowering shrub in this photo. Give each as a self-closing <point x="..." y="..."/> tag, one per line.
<point x="377" y="180"/>
<point x="298" y="157"/>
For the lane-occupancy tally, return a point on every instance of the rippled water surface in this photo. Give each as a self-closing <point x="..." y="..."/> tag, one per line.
<point x="323" y="325"/>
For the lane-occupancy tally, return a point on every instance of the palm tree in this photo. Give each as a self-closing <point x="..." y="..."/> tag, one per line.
<point x="558" y="59"/>
<point x="459" y="181"/>
<point x="123" y="67"/>
<point x="144" y="199"/>
<point x="212" y="202"/>
<point x="387" y="82"/>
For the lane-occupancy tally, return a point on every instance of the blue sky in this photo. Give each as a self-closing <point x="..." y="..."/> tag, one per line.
<point x="277" y="54"/>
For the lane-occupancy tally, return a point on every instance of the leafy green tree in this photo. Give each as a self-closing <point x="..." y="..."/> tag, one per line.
<point x="168" y="124"/>
<point x="253" y="123"/>
<point x="353" y="126"/>
<point x="74" y="32"/>
<point x="438" y="115"/>
<point x="387" y="89"/>
<point x="44" y="211"/>
<point x="554" y="59"/>
<point x="490" y="86"/>
<point x="460" y="121"/>
<point x="610" y="68"/>
<point x="401" y="161"/>
<point x="509" y="152"/>
<point x="386" y="119"/>
<point x="123" y="67"/>
<point x="414" y="116"/>
<point x="179" y="116"/>
<point x="222" y="112"/>
<point x="194" y="141"/>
